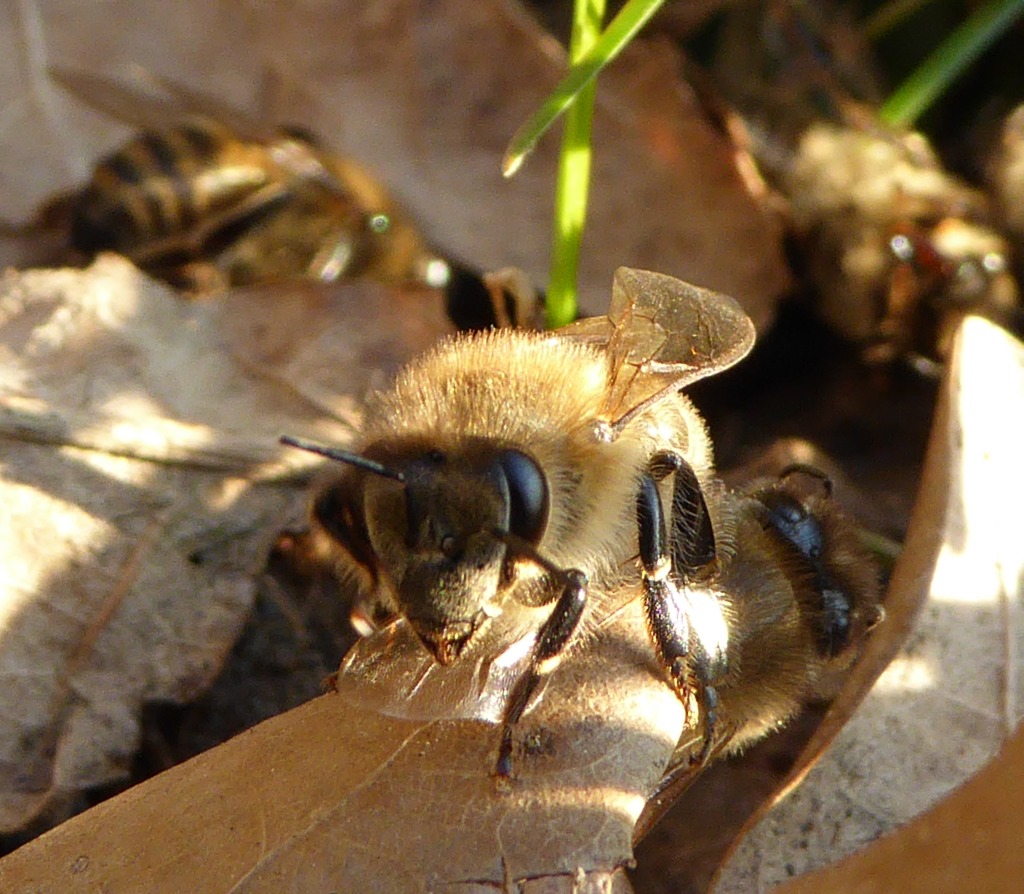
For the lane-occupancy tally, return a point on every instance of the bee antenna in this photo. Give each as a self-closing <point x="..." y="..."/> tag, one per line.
<point x="811" y="472"/>
<point x="343" y="456"/>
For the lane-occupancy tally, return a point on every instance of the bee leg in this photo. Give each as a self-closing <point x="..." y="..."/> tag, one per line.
<point x="687" y="627"/>
<point x="552" y="639"/>
<point x="194" y="278"/>
<point x="692" y="541"/>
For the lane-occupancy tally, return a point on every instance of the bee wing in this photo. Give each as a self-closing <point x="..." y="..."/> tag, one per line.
<point x="679" y="775"/>
<point x="390" y="671"/>
<point x="661" y="334"/>
<point x="294" y="149"/>
<point x="296" y="154"/>
<point x="151" y="110"/>
<point x="119" y="101"/>
<point x="199" y="103"/>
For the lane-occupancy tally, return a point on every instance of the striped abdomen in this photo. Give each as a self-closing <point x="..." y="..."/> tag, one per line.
<point x="162" y="185"/>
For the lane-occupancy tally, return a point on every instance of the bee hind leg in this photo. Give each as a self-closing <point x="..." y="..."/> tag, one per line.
<point x="692" y="538"/>
<point x="684" y="623"/>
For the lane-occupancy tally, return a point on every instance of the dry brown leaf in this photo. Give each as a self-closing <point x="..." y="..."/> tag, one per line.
<point x="142" y="484"/>
<point x="334" y="796"/>
<point x="329" y="345"/>
<point x="434" y="91"/>
<point x="947" y="703"/>
<point x="968" y="842"/>
<point x="426" y="94"/>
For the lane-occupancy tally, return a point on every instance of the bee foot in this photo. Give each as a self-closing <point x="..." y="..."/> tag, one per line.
<point x="503" y="767"/>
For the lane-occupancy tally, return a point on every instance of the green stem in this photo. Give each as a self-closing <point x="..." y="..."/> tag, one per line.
<point x="891" y="14"/>
<point x="949" y="60"/>
<point x="573" y="174"/>
<point x="631" y="18"/>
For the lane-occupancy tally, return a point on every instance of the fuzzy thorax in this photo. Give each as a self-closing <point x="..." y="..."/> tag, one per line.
<point x="545" y="396"/>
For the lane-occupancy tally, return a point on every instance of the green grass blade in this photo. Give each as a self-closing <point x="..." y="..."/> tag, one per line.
<point x="631" y="18"/>
<point x="890" y="15"/>
<point x="573" y="174"/>
<point x="949" y="60"/>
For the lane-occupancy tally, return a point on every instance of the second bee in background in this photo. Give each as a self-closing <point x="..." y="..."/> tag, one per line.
<point x="206" y="199"/>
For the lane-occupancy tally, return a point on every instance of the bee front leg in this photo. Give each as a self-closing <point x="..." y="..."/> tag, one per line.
<point x="687" y="629"/>
<point x="552" y="639"/>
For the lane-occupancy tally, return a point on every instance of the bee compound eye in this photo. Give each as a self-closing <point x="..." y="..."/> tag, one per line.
<point x="791" y="519"/>
<point x="528" y="495"/>
<point x="331" y="510"/>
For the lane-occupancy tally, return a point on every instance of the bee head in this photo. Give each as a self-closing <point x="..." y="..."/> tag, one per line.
<point x="441" y="529"/>
<point x="841" y="576"/>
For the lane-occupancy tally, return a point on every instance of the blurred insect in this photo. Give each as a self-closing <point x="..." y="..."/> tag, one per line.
<point x="206" y="198"/>
<point x="899" y="249"/>
<point x="896" y="248"/>
<point x="1005" y="173"/>
<point x="513" y="489"/>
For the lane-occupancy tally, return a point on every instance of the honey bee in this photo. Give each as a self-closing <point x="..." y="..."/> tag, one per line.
<point x="205" y="199"/>
<point x="514" y="488"/>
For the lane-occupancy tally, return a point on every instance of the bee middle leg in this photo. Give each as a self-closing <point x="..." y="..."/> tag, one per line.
<point x="685" y="636"/>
